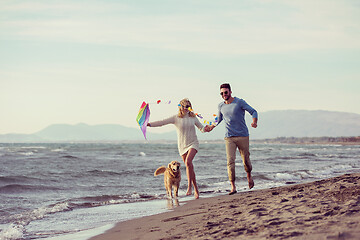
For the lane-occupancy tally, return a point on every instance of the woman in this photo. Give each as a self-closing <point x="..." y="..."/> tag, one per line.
<point x="188" y="144"/>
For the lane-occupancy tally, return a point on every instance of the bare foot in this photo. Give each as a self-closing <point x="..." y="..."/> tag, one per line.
<point x="251" y="183"/>
<point x="233" y="188"/>
<point x="189" y="192"/>
<point x="196" y="195"/>
<point x="250" y="180"/>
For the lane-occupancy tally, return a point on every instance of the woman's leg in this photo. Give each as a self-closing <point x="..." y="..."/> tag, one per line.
<point x="188" y="192"/>
<point x="188" y="158"/>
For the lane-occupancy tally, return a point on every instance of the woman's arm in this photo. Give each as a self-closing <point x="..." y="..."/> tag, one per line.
<point x="170" y="120"/>
<point x="199" y="125"/>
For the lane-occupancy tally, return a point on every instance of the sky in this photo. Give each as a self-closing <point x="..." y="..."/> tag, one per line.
<point x="96" y="61"/>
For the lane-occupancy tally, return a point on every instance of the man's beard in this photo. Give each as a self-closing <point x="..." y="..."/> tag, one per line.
<point x="227" y="97"/>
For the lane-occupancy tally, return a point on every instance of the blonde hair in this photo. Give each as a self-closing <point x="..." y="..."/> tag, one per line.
<point x="182" y="113"/>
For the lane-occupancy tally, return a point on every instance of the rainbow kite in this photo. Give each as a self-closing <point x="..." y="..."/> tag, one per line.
<point x="143" y="117"/>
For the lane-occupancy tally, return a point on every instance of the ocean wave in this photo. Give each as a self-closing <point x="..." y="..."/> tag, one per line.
<point x="289" y="176"/>
<point x="26" y="153"/>
<point x="33" y="147"/>
<point x="263" y="177"/>
<point x="316" y="173"/>
<point x="104" y="172"/>
<point x="58" y="150"/>
<point x="305" y="154"/>
<point x="16" y="229"/>
<point x="18" y="188"/>
<point x="280" y="159"/>
<point x="121" y="172"/>
<point x="16" y="179"/>
<point x="12" y="232"/>
<point x="329" y="171"/>
<point x="96" y="201"/>
<point x="69" y="157"/>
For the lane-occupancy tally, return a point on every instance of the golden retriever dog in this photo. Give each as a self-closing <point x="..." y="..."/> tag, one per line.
<point x="172" y="177"/>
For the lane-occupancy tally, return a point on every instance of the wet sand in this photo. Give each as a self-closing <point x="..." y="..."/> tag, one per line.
<point x="326" y="209"/>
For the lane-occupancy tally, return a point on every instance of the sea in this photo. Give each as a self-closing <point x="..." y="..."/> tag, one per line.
<point x="79" y="190"/>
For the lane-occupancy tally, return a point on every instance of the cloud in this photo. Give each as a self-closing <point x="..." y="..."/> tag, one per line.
<point x="237" y="30"/>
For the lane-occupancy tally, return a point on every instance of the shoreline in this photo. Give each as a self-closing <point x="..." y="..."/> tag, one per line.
<point x="325" y="209"/>
<point x="310" y="140"/>
<point x="326" y="140"/>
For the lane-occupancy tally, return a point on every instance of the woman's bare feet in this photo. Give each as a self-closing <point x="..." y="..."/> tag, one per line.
<point x="189" y="192"/>
<point x="196" y="195"/>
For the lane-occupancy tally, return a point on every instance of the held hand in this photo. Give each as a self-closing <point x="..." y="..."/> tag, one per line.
<point x="209" y="128"/>
<point x="206" y="128"/>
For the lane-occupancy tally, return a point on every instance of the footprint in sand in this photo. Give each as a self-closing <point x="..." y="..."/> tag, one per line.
<point x="259" y="212"/>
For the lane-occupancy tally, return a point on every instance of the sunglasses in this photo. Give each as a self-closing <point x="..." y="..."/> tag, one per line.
<point x="186" y="107"/>
<point x="224" y="93"/>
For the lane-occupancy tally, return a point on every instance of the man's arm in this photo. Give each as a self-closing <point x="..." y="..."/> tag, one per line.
<point x="254" y="123"/>
<point x="252" y="112"/>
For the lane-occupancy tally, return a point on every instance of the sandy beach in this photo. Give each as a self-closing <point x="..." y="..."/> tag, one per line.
<point x="326" y="209"/>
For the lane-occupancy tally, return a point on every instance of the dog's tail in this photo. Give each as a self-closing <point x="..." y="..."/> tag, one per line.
<point x="159" y="171"/>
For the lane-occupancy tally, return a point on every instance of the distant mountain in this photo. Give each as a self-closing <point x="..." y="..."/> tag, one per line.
<point x="303" y="123"/>
<point x="272" y="124"/>
<point x="84" y="132"/>
<point x="104" y="132"/>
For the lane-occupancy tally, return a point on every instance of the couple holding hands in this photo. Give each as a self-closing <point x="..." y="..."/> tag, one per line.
<point x="232" y="111"/>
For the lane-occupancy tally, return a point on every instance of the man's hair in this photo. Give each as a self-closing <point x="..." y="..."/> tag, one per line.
<point x="225" y="85"/>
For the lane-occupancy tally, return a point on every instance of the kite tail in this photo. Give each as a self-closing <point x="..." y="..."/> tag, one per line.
<point x="143" y="117"/>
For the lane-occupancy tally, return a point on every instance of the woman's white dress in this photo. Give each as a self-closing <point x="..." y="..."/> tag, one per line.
<point x="185" y="128"/>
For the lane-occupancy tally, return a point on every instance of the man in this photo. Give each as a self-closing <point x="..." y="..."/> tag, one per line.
<point x="232" y="111"/>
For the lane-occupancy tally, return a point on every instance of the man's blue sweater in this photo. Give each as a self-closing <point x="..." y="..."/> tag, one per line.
<point x="234" y="116"/>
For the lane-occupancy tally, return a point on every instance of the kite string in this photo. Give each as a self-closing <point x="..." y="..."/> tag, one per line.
<point x="214" y="122"/>
<point x="159" y="101"/>
<point x="216" y="119"/>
